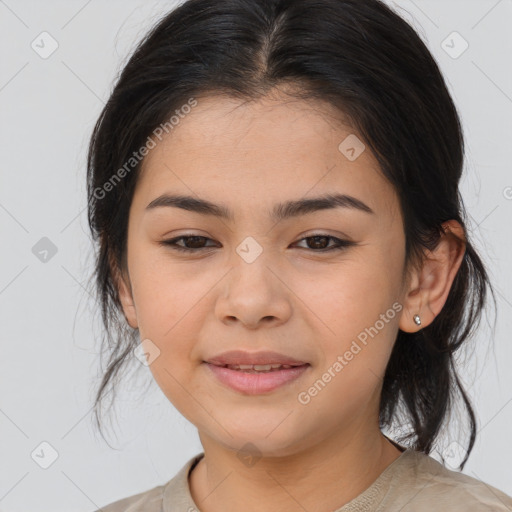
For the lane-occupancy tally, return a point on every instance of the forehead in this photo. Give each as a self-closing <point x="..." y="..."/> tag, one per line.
<point x="276" y="148"/>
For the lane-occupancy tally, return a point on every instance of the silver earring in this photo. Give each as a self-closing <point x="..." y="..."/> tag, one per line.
<point x="416" y="319"/>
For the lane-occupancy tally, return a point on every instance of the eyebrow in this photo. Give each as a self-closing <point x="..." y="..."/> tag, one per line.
<point x="281" y="211"/>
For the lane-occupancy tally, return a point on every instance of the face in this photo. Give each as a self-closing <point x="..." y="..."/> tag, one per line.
<point x="258" y="282"/>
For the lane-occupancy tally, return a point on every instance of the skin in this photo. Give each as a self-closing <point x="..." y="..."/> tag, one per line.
<point x="293" y="298"/>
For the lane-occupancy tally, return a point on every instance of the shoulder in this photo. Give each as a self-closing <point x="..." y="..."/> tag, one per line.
<point x="159" y="498"/>
<point x="149" y="501"/>
<point x="426" y="483"/>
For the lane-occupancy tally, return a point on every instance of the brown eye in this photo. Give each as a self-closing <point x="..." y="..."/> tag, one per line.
<point x="320" y="243"/>
<point x="192" y="243"/>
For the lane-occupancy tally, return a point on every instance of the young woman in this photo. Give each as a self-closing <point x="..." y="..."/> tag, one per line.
<point x="273" y="188"/>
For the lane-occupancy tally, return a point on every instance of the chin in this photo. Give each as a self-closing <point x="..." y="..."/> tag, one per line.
<point x="259" y="439"/>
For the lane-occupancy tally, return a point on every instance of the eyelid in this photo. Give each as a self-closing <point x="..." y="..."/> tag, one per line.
<point x="339" y="235"/>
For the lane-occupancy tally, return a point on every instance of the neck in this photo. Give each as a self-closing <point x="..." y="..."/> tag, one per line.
<point x="320" y="478"/>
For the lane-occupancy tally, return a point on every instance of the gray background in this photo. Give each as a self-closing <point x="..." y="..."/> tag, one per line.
<point x="50" y="331"/>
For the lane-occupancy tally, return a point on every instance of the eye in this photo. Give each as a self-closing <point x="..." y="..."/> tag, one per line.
<point x="320" y="241"/>
<point x="317" y="242"/>
<point x="194" y="240"/>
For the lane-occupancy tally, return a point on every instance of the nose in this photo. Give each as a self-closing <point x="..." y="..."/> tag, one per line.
<point x="255" y="295"/>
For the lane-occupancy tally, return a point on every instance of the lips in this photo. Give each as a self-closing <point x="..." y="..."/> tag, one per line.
<point x="241" y="358"/>
<point x="256" y="382"/>
<point x="254" y="373"/>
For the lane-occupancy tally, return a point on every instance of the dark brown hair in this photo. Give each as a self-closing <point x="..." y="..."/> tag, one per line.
<point x="368" y="63"/>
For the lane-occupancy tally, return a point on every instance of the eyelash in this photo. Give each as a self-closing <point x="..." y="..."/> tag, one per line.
<point x="341" y="244"/>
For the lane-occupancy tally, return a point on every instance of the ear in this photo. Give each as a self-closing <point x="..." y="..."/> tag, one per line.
<point x="123" y="285"/>
<point x="430" y="285"/>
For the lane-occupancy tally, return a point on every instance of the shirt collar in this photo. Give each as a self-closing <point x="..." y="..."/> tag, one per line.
<point x="177" y="497"/>
<point x="176" y="493"/>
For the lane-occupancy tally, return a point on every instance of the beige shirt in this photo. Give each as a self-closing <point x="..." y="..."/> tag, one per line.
<point x="414" y="482"/>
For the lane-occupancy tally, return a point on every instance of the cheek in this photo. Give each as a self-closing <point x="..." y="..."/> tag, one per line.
<point x="164" y="293"/>
<point x="356" y="311"/>
<point x="171" y="301"/>
<point x="351" y="293"/>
